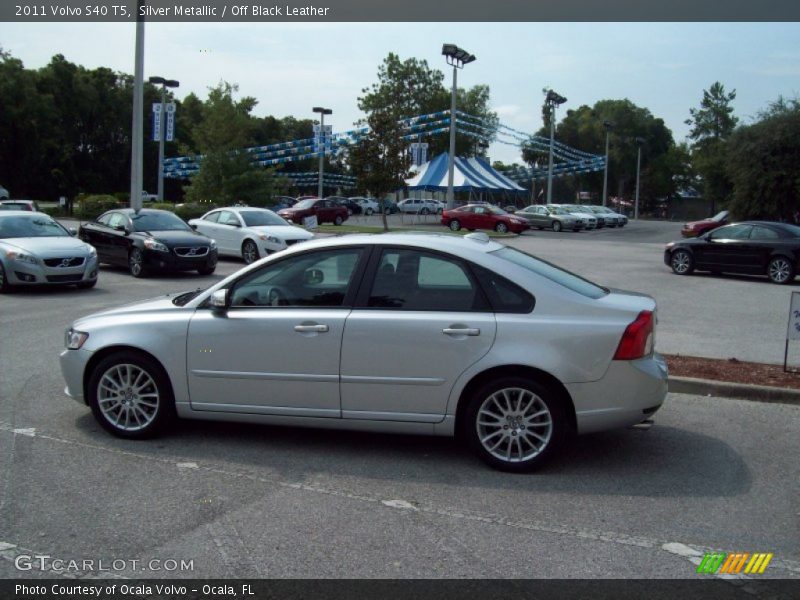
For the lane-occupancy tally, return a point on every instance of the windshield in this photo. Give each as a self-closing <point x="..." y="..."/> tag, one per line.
<point x="303" y="204"/>
<point x="158" y="221"/>
<point x="256" y="218"/>
<point x="33" y="226"/>
<point x="496" y="211"/>
<point x="720" y="216"/>
<point x="558" y="211"/>
<point x="553" y="273"/>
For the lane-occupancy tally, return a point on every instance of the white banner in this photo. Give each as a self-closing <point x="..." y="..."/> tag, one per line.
<point x="156" y="121"/>
<point x="793" y="331"/>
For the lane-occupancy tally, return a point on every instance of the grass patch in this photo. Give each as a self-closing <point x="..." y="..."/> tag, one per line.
<point x="342" y="229"/>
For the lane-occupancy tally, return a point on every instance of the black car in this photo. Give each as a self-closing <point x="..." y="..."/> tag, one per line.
<point x="750" y="247"/>
<point x="149" y="240"/>
<point x="353" y="207"/>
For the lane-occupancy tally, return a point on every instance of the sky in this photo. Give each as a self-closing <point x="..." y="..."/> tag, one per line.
<point x="289" y="68"/>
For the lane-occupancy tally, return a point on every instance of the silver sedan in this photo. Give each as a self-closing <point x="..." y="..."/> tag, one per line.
<point x="36" y="250"/>
<point x="405" y="333"/>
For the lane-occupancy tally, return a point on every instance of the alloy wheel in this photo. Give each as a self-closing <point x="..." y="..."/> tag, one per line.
<point x="128" y="397"/>
<point x="779" y="270"/>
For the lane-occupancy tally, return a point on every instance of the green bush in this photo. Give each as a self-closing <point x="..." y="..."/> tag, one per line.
<point x="54" y="211"/>
<point x="193" y="210"/>
<point x="91" y="207"/>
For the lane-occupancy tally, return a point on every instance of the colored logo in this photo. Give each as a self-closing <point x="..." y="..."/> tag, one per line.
<point x="732" y="563"/>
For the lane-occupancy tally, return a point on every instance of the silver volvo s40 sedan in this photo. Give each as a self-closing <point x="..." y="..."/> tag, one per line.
<point x="407" y="333"/>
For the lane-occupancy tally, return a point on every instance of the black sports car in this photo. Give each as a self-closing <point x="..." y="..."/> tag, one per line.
<point x="750" y="247"/>
<point x="149" y="240"/>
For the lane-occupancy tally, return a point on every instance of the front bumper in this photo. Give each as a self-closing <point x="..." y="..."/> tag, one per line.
<point x="73" y="364"/>
<point x="24" y="273"/>
<point x="629" y="393"/>
<point x="169" y="261"/>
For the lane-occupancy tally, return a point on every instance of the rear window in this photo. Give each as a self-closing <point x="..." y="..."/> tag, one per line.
<point x="553" y="273"/>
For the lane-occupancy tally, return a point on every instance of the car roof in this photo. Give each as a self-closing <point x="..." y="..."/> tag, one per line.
<point x="22" y="213"/>
<point x="445" y="242"/>
<point x="237" y="209"/>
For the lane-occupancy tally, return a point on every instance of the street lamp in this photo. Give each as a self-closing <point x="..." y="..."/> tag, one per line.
<point x="322" y="112"/>
<point x="164" y="83"/>
<point x="609" y="125"/>
<point x="552" y="99"/>
<point x="137" y="122"/>
<point x="457" y="58"/>
<point x="639" y="143"/>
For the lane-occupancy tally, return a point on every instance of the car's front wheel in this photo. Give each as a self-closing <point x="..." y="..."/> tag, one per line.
<point x="681" y="262"/>
<point x="455" y="225"/>
<point x="515" y="424"/>
<point x="136" y="263"/>
<point x="780" y="270"/>
<point x="425" y="211"/>
<point x="5" y="286"/>
<point x="130" y="396"/>
<point x="556" y="226"/>
<point x="501" y="228"/>
<point x="368" y="212"/>
<point x="250" y="251"/>
<point x="338" y="220"/>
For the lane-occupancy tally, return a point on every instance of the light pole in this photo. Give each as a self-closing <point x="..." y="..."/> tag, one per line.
<point x="322" y="112"/>
<point x="639" y="143"/>
<point x="457" y="58"/>
<point x="164" y="83"/>
<point x="552" y="100"/>
<point x="609" y="125"/>
<point x="137" y="124"/>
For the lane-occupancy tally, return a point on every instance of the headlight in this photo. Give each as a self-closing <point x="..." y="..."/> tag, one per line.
<point x="22" y="257"/>
<point x="152" y="244"/>
<point x="73" y="340"/>
<point x="213" y="243"/>
<point x="92" y="251"/>
<point x="270" y="238"/>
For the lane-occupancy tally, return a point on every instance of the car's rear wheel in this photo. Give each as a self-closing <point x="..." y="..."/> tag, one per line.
<point x="556" y="226"/>
<point x="250" y="252"/>
<point x="425" y="211"/>
<point x="515" y="424"/>
<point x="455" y="225"/>
<point x="338" y="220"/>
<point x="501" y="228"/>
<point x="780" y="270"/>
<point x="136" y="263"/>
<point x="681" y="262"/>
<point x="130" y="396"/>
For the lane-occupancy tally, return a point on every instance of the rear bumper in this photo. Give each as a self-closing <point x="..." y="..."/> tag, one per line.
<point x="630" y="392"/>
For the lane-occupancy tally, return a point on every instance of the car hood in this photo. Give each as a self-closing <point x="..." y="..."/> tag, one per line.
<point x="703" y="222"/>
<point x="282" y="232"/>
<point x="178" y="237"/>
<point x="584" y="215"/>
<point x="162" y="303"/>
<point x="48" y="247"/>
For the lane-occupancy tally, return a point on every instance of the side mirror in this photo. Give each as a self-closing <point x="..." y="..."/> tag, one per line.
<point x="313" y="276"/>
<point x="219" y="300"/>
<point x="73" y="231"/>
<point x="193" y="226"/>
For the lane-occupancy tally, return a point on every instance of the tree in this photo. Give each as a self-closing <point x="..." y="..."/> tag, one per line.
<point x="409" y="88"/>
<point x="711" y="126"/>
<point x="227" y="175"/>
<point x="380" y="160"/>
<point x="764" y="165"/>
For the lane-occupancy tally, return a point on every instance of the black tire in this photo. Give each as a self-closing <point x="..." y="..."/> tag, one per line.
<point x="208" y="269"/>
<point x="368" y="212"/>
<point x="152" y="401"/>
<point x="501" y="227"/>
<point x="780" y="270"/>
<point x="682" y="262"/>
<point x="250" y="252"/>
<point x="528" y="441"/>
<point x="86" y="285"/>
<point x="5" y="286"/>
<point x="338" y="220"/>
<point x="455" y="225"/>
<point x="557" y="226"/>
<point x="136" y="263"/>
<point x="425" y="211"/>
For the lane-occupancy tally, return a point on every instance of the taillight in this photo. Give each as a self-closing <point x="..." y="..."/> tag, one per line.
<point x="637" y="341"/>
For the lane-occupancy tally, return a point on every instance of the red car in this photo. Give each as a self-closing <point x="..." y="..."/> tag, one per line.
<point x="483" y="216"/>
<point x="326" y="211"/>
<point x="698" y="228"/>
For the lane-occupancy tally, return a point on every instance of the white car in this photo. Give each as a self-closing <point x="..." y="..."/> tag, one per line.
<point x="587" y="216"/>
<point x="368" y="205"/>
<point x="249" y="232"/>
<point x="419" y="206"/>
<point x="36" y="250"/>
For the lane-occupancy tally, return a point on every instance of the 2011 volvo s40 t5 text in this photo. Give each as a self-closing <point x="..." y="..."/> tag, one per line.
<point x="410" y="333"/>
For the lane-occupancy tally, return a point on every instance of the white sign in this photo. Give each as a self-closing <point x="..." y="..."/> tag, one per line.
<point x="325" y="133"/>
<point x="310" y="222"/>
<point x="169" y="135"/>
<point x="793" y="331"/>
<point x="419" y="153"/>
<point x="156" y="121"/>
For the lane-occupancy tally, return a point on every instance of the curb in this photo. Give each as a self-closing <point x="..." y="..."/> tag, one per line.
<point x="725" y="389"/>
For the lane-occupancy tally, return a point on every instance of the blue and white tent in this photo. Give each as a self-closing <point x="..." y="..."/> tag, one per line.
<point x="470" y="175"/>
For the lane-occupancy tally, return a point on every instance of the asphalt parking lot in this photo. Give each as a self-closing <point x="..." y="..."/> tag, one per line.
<point x="248" y="501"/>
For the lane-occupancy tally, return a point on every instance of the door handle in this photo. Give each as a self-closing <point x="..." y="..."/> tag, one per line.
<point x="461" y="331"/>
<point x="311" y="328"/>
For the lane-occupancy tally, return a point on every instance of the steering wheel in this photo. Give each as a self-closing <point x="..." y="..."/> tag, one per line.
<point x="276" y="297"/>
